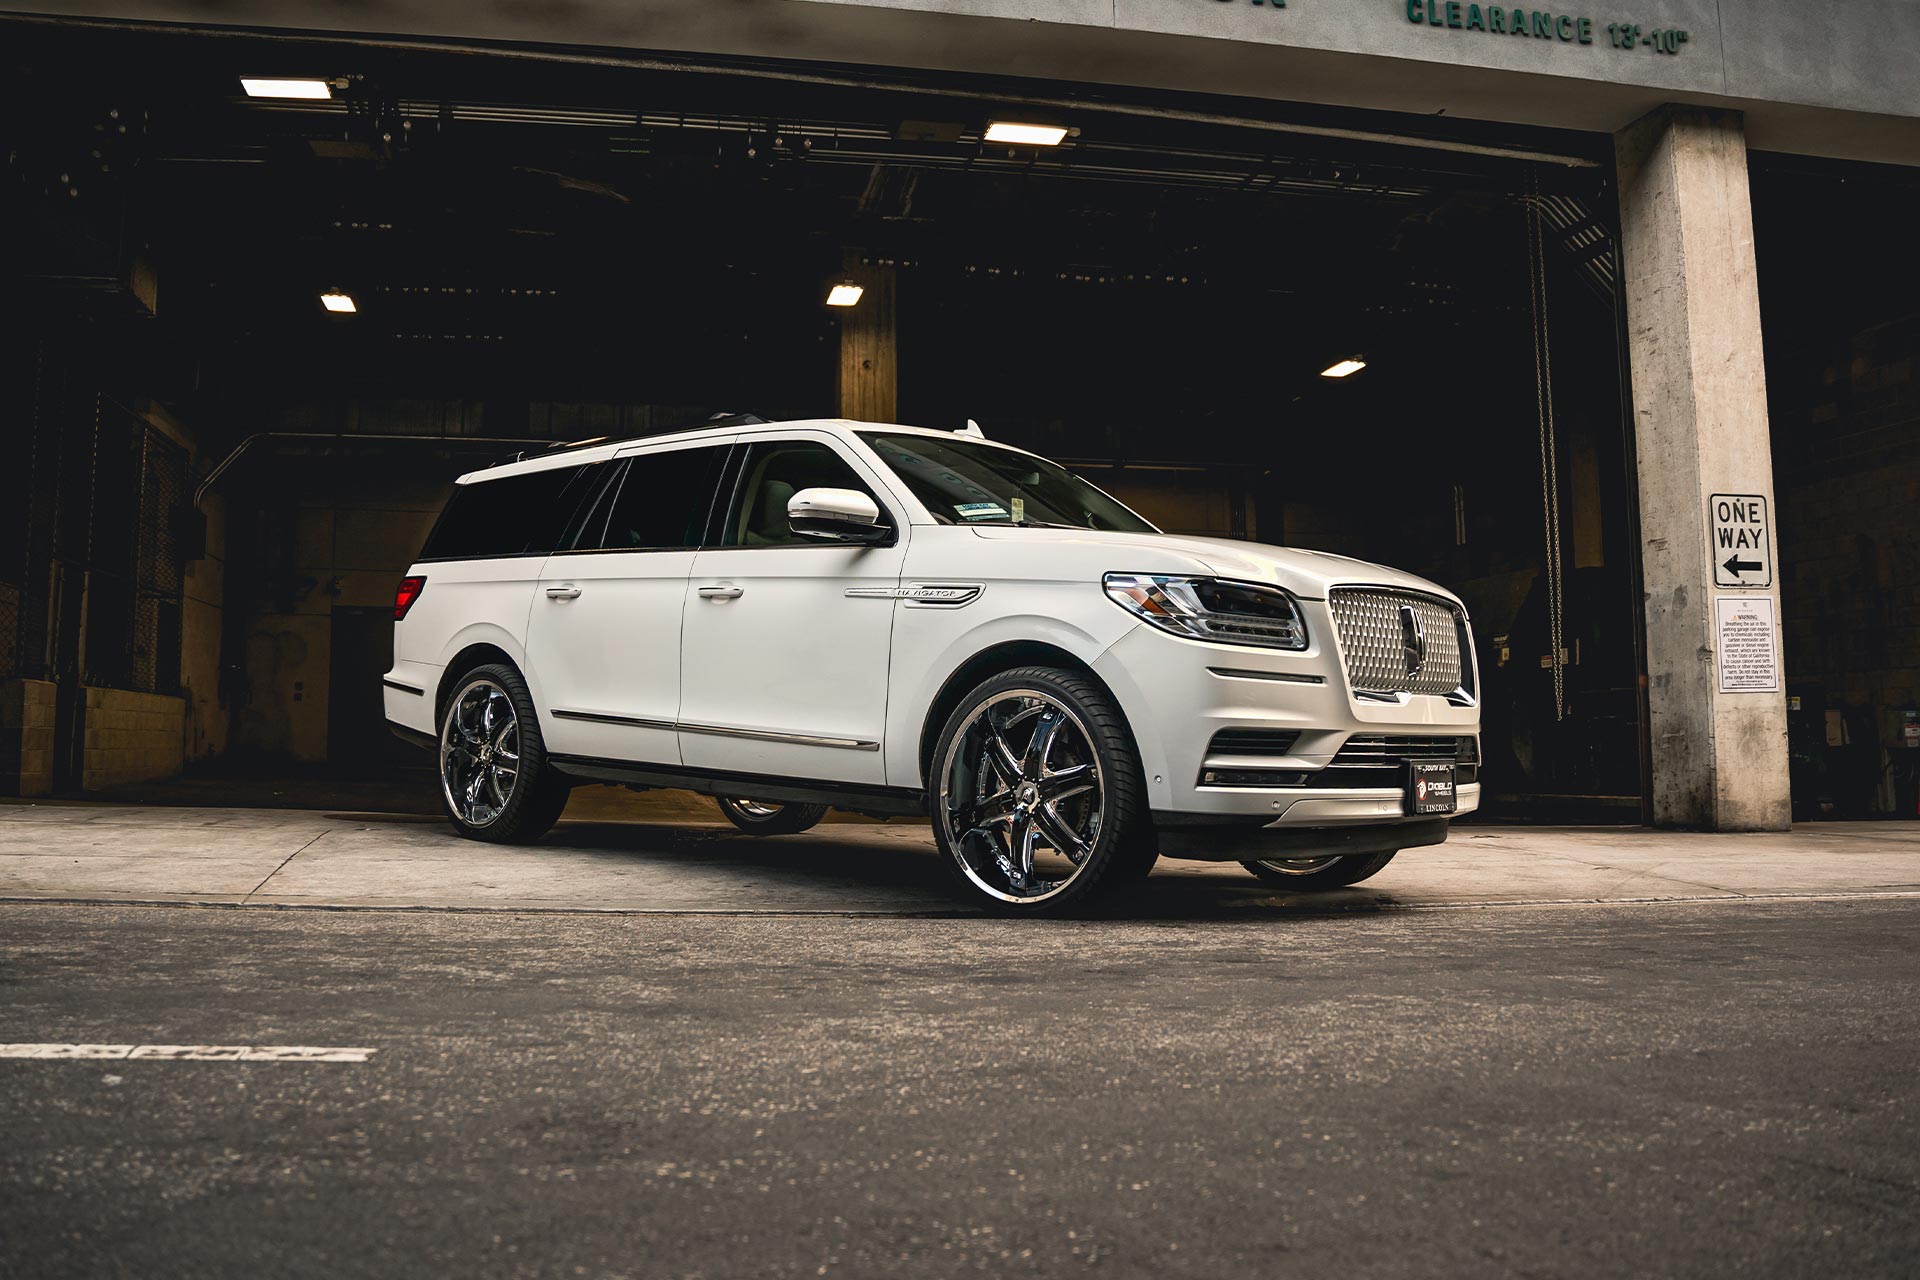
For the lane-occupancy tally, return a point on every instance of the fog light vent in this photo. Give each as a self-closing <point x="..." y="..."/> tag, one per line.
<point x="1253" y="742"/>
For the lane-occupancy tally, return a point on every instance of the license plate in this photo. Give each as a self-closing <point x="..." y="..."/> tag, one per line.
<point x="1430" y="789"/>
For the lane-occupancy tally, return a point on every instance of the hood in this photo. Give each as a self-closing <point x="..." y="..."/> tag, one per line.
<point x="1307" y="574"/>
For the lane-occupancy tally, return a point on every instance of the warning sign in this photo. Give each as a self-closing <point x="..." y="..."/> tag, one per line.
<point x="1739" y="544"/>
<point x="1747" y="646"/>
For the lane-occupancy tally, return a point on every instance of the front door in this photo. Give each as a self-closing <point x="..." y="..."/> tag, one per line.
<point x="784" y="672"/>
<point x="603" y="641"/>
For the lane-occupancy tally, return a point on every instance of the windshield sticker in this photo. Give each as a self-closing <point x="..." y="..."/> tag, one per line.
<point x="981" y="510"/>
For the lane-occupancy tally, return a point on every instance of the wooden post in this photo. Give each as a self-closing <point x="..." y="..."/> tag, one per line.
<point x="869" y="352"/>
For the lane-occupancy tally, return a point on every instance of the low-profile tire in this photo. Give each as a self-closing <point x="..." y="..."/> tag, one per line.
<point x="769" y="818"/>
<point x="1317" y="875"/>
<point x="1039" y="804"/>
<point x="495" y="782"/>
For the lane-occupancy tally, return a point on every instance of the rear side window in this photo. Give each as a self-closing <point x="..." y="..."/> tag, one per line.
<point x="664" y="500"/>
<point x="512" y="516"/>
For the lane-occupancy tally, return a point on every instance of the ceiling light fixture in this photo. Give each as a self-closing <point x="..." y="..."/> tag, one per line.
<point x="335" y="301"/>
<point x="844" y="295"/>
<point x="1026" y="135"/>
<point x="258" y="87"/>
<point x="1344" y="368"/>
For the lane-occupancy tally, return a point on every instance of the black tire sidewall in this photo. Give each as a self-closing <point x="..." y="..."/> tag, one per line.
<point x="1125" y="846"/>
<point x="1344" y="873"/>
<point x="791" y="819"/>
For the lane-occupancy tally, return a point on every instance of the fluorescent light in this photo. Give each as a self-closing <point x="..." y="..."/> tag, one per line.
<point x="259" y="88"/>
<point x="1026" y="135"/>
<point x="1343" y="368"/>
<point x="844" y="295"/>
<point x="339" y="302"/>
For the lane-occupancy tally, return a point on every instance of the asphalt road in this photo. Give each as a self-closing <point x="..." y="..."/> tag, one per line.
<point x="1575" y="1091"/>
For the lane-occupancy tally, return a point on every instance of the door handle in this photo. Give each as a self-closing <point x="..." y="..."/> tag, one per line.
<point x="722" y="592"/>
<point x="568" y="592"/>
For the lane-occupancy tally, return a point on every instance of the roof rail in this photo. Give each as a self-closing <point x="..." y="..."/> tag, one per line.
<point x="735" y="420"/>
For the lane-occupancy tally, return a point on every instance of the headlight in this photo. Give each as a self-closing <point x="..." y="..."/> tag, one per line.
<point x="1212" y="609"/>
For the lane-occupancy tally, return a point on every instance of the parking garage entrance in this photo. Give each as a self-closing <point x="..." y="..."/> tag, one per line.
<point x="1393" y="339"/>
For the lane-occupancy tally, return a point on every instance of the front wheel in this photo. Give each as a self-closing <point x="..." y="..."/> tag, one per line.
<point x="1316" y="875"/>
<point x="1039" y="805"/>
<point x="766" y="818"/>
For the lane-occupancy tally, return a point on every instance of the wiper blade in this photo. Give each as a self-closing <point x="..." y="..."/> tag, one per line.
<point x="1026" y="524"/>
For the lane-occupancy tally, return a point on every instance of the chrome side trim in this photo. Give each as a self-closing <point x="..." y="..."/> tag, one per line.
<point x="1458" y="698"/>
<point x="607" y="717"/>
<point x="770" y="735"/>
<point x="720" y="730"/>
<point x="923" y="595"/>
<point x="1283" y="677"/>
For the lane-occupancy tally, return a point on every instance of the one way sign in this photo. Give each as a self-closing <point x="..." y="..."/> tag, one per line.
<point x="1741" y="551"/>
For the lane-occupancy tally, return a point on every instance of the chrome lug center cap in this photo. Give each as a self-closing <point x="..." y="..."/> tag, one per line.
<point x="1029" y="794"/>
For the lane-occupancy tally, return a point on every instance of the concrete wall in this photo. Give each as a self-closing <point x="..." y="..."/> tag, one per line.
<point x="26" y="737"/>
<point x="130" y="737"/>
<point x="1700" y="424"/>
<point x="1831" y="79"/>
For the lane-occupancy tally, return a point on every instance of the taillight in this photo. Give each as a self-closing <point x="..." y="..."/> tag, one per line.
<point x="403" y="597"/>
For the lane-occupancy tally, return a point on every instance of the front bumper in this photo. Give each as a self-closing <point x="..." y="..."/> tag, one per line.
<point x="1179" y="694"/>
<point x="1218" y="840"/>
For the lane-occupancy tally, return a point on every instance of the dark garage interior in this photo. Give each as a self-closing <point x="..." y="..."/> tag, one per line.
<point x="218" y="480"/>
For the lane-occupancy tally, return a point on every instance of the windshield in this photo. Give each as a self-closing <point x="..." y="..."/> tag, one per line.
<point x="964" y="481"/>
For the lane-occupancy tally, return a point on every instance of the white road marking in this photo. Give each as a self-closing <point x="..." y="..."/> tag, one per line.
<point x="190" y="1052"/>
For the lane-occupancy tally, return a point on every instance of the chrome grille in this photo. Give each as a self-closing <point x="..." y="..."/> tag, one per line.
<point x="1380" y="749"/>
<point x="1380" y="760"/>
<point x="1373" y="640"/>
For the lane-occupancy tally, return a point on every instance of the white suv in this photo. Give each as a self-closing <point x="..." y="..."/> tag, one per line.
<point x="891" y="620"/>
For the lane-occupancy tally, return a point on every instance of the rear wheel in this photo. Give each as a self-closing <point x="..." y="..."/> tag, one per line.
<point x="769" y="818"/>
<point x="1313" y="875"/>
<point x="1038" y="801"/>
<point x="495" y="783"/>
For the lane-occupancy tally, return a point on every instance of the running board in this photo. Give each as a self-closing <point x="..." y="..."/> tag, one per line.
<point x="877" y="801"/>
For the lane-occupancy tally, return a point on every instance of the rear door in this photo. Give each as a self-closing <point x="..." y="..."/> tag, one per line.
<point x="603" y="640"/>
<point x="480" y="564"/>
<point x="786" y="639"/>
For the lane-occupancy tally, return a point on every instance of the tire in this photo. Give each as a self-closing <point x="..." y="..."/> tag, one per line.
<point x="495" y="783"/>
<point x="1000" y="794"/>
<point x="1317" y="875"/>
<point x="768" y="818"/>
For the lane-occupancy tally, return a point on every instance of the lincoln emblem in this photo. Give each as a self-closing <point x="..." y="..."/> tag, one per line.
<point x="1413" y="638"/>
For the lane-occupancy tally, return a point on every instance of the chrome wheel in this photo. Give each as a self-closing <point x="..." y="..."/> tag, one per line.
<point x="1297" y="866"/>
<point x="1021" y="798"/>
<point x="479" y="753"/>
<point x="756" y="808"/>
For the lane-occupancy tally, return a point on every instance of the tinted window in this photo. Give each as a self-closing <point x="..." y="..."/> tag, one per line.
<point x="964" y="481"/>
<point x="664" y="500"/>
<point x="775" y="470"/>
<point x="511" y="516"/>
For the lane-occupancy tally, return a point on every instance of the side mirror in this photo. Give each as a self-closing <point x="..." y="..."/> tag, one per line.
<point x="836" y="515"/>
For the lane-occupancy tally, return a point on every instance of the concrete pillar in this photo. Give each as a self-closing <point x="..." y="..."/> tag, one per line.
<point x="1700" y="419"/>
<point x="869" y="349"/>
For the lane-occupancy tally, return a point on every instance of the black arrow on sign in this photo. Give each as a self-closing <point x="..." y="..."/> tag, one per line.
<point x="1736" y="566"/>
